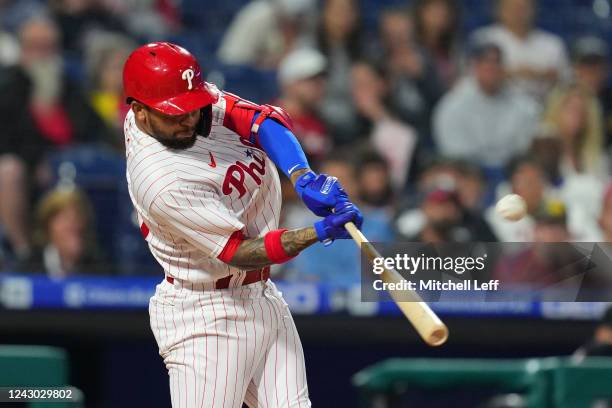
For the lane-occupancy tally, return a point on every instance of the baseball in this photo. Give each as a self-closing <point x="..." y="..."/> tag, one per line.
<point x="512" y="207"/>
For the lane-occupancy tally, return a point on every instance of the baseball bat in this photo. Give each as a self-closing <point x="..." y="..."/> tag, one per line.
<point x="429" y="326"/>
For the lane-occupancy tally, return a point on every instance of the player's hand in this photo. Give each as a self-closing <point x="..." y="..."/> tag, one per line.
<point x="321" y="193"/>
<point x="332" y="226"/>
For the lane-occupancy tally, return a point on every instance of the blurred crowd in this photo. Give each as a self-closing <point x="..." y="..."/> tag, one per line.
<point x="425" y="122"/>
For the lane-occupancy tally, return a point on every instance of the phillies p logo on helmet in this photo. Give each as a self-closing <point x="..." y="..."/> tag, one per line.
<point x="188" y="76"/>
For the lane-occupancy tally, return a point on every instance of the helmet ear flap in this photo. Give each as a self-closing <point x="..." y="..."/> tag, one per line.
<point x="205" y="123"/>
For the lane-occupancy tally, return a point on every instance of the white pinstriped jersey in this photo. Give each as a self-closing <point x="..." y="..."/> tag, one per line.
<point x="191" y="201"/>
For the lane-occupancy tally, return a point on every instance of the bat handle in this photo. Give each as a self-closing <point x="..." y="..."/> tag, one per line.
<point x="355" y="233"/>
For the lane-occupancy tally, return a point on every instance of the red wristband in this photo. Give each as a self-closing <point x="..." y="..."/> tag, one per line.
<point x="274" y="248"/>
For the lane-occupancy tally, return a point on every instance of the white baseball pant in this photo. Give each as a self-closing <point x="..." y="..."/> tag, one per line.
<point x="223" y="347"/>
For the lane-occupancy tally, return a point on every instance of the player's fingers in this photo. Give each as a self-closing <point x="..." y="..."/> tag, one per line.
<point x="344" y="217"/>
<point x="342" y="206"/>
<point x="358" y="220"/>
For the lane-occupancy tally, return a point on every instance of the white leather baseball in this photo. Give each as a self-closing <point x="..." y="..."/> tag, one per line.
<point x="511" y="207"/>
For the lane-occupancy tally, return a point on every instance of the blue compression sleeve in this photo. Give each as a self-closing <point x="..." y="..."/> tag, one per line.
<point x="281" y="146"/>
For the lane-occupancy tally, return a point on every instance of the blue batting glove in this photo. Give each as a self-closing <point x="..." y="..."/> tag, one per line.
<point x="320" y="192"/>
<point x="332" y="226"/>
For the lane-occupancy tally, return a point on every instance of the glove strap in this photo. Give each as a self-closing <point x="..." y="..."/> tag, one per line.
<point x="303" y="180"/>
<point x="322" y="234"/>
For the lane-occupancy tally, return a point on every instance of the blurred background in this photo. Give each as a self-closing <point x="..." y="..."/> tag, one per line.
<point x="426" y="110"/>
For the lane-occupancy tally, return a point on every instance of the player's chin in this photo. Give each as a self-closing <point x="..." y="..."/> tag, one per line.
<point x="185" y="134"/>
<point x="180" y="140"/>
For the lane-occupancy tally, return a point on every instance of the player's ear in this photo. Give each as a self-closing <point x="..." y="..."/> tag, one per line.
<point x="140" y="111"/>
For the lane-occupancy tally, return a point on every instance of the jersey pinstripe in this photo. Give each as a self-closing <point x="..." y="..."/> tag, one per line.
<point x="192" y="200"/>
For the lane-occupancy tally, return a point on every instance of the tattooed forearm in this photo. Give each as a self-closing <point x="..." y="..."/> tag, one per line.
<point x="295" y="241"/>
<point x="251" y="253"/>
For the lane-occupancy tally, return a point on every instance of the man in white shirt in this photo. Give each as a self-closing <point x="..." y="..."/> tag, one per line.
<point x="482" y="119"/>
<point x="535" y="59"/>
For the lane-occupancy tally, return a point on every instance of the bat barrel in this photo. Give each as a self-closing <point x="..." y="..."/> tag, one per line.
<point x="425" y="321"/>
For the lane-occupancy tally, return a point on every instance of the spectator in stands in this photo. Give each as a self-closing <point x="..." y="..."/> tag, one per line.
<point x="374" y="181"/>
<point x="65" y="243"/>
<point x="601" y="252"/>
<point x="104" y="61"/>
<point x="40" y="108"/>
<point x="573" y="115"/>
<point x="438" y="172"/>
<point x="437" y="31"/>
<point x="581" y="192"/>
<point x="461" y="175"/>
<point x="391" y="138"/>
<point x="443" y="219"/>
<point x="528" y="180"/>
<point x="264" y="31"/>
<point x="339" y="38"/>
<point x="482" y="119"/>
<point x="551" y="222"/>
<point x="471" y="185"/>
<point x="77" y="19"/>
<point x="605" y="215"/>
<point x="9" y="49"/>
<point x="591" y="57"/>
<point x="551" y="259"/>
<point x="13" y="13"/>
<point x="375" y="194"/>
<point x="546" y="150"/>
<point x="147" y="20"/>
<point x="302" y="80"/>
<point x="39" y="111"/>
<point x="442" y="213"/>
<point x="414" y="87"/>
<point x="535" y="59"/>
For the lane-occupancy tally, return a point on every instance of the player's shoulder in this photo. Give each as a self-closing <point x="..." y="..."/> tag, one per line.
<point x="228" y="102"/>
<point x="234" y="113"/>
<point x="182" y="176"/>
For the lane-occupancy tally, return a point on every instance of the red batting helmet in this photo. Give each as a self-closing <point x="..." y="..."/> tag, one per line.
<point x="167" y="78"/>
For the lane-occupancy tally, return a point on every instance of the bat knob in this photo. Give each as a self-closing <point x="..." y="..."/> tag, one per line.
<point x="438" y="337"/>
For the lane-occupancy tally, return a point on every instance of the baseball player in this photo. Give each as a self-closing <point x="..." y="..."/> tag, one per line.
<point x="201" y="174"/>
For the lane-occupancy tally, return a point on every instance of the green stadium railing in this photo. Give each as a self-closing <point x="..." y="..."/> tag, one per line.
<point x="553" y="382"/>
<point x="383" y="381"/>
<point x="579" y="384"/>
